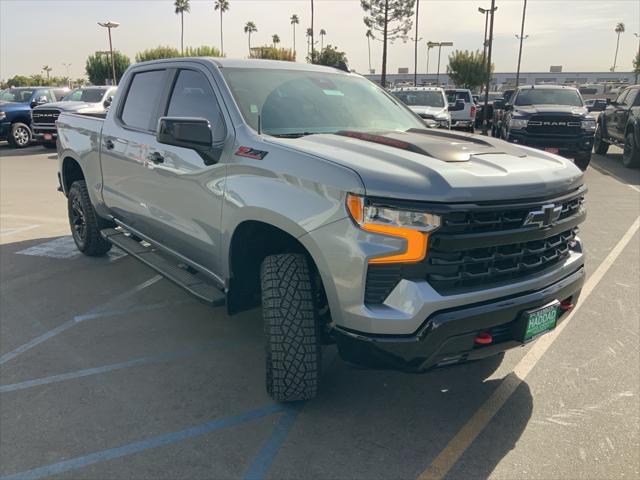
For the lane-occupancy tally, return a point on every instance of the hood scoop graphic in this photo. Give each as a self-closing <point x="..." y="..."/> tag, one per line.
<point x="442" y="145"/>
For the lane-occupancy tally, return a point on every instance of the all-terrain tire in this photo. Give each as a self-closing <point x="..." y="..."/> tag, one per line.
<point x="20" y="135"/>
<point x="631" y="154"/>
<point x="293" y="350"/>
<point x="84" y="222"/>
<point x="599" y="145"/>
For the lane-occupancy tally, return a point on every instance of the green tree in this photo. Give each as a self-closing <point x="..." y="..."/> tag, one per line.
<point x="19" y="81"/>
<point x="392" y="18"/>
<point x="98" y="67"/>
<point x="295" y="20"/>
<point x="223" y="6"/>
<point x="157" y="53"/>
<point x="467" y="69"/>
<point x="329" y="56"/>
<point x="47" y="70"/>
<point x="182" y="6"/>
<point x="636" y="66"/>
<point x="323" y="33"/>
<point x="309" y="37"/>
<point x="249" y="28"/>
<point x="271" y="53"/>
<point x="619" y="29"/>
<point x="275" y="38"/>
<point x="202" y="51"/>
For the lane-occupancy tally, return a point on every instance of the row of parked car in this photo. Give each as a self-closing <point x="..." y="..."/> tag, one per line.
<point x="554" y="118"/>
<point x="30" y="113"/>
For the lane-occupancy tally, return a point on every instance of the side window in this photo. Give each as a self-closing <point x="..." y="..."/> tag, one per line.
<point x="142" y="98"/>
<point x="621" y="97"/>
<point x="193" y="96"/>
<point x="631" y="96"/>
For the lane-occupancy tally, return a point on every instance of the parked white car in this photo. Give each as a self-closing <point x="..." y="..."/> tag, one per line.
<point x="430" y="103"/>
<point x="463" y="109"/>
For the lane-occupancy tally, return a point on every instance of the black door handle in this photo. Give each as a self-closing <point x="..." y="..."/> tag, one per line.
<point x="108" y="144"/>
<point x="156" y="157"/>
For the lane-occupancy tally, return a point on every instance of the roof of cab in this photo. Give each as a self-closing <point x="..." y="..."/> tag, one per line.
<point x="546" y="86"/>
<point x="416" y="89"/>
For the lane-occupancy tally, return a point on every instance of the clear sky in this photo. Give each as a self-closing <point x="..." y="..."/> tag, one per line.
<point x="577" y="34"/>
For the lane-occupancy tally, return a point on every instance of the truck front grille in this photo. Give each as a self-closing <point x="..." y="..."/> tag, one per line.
<point x="554" y="125"/>
<point x="45" y="116"/>
<point x="482" y="246"/>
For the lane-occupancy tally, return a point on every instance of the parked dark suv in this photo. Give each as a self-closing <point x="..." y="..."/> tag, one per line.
<point x="619" y="125"/>
<point x="552" y="118"/>
<point x="15" y="111"/>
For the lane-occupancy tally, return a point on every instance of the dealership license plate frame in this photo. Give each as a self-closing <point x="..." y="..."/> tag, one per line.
<point x="541" y="320"/>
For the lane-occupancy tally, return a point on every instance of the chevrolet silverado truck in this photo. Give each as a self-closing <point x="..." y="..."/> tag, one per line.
<point x="619" y="124"/>
<point x="316" y="194"/>
<point x="87" y="100"/>
<point x="553" y="118"/>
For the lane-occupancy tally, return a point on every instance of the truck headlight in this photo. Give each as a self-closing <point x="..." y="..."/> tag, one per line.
<point x="518" y="123"/>
<point x="3" y="115"/>
<point x="588" y="125"/>
<point x="413" y="226"/>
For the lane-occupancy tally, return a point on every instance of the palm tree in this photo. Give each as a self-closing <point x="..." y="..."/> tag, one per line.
<point x="47" y="69"/>
<point x="323" y="32"/>
<point x="181" y="7"/>
<point x="309" y="35"/>
<point x="249" y="28"/>
<point x="223" y="6"/>
<point x="275" y="38"/>
<point x="369" y="36"/>
<point x="619" y="29"/>
<point x="295" y="20"/>
<point x="312" y="39"/>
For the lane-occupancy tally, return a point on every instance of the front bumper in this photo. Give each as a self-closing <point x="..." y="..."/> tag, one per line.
<point x="568" y="146"/>
<point x="40" y="132"/>
<point x="447" y="336"/>
<point x="462" y="123"/>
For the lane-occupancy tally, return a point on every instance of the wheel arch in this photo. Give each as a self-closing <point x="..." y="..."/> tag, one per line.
<point x="71" y="171"/>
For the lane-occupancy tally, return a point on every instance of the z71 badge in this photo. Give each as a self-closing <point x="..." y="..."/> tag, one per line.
<point x="251" y="153"/>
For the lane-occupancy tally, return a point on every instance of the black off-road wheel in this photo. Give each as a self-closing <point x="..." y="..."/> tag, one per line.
<point x="631" y="152"/>
<point x="84" y="222"/>
<point x="599" y="145"/>
<point x="583" y="161"/>
<point x="20" y="135"/>
<point x="293" y="347"/>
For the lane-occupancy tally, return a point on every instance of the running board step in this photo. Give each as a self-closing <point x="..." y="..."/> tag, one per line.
<point x="195" y="283"/>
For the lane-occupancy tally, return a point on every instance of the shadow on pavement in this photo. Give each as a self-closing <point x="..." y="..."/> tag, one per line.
<point x="611" y="164"/>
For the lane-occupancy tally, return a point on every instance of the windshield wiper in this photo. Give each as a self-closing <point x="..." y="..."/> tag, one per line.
<point x="291" y="135"/>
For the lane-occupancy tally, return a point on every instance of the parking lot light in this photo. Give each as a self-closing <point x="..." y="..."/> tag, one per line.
<point x="109" y="25"/>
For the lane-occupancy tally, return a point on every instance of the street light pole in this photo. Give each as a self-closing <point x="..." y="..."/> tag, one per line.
<point x="415" y="52"/>
<point x="522" y="37"/>
<point x="488" y="85"/>
<point x="430" y="45"/>
<point x="67" y="66"/>
<point x="109" y="25"/>
<point x="439" y="45"/>
<point x="485" y="12"/>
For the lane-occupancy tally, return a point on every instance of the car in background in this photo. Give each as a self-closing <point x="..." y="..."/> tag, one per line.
<point x="430" y="103"/>
<point x="497" y="112"/>
<point x="619" y="124"/>
<point x="15" y="111"/>
<point x="552" y="118"/>
<point x="493" y="96"/>
<point x="463" y="109"/>
<point x="596" y="104"/>
<point x="86" y="100"/>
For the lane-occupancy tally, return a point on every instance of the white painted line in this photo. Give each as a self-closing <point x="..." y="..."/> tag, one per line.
<point x="12" y="231"/>
<point x="447" y="458"/>
<point x="64" y="248"/>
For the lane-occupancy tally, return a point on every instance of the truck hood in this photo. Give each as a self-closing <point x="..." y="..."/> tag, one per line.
<point x="549" y="109"/>
<point x="425" y="110"/>
<point x="13" y="106"/>
<point x="71" y="106"/>
<point x="439" y="166"/>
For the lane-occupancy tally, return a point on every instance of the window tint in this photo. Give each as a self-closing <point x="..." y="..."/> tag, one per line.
<point x="621" y="97"/>
<point x="142" y="98"/>
<point x="631" y="96"/>
<point x="453" y="96"/>
<point x="192" y="96"/>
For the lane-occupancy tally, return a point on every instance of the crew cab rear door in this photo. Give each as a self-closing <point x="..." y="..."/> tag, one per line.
<point x="165" y="192"/>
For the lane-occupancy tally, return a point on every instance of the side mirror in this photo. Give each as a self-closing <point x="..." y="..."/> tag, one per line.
<point x="107" y="101"/>
<point x="39" y="101"/>
<point x="193" y="133"/>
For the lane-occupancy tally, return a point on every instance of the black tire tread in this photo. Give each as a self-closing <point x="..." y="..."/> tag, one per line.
<point x="94" y="245"/>
<point x="601" y="147"/>
<point x="634" y="159"/>
<point x="293" y="350"/>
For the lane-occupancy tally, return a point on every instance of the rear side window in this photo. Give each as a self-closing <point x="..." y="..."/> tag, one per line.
<point x="142" y="99"/>
<point x="192" y="96"/>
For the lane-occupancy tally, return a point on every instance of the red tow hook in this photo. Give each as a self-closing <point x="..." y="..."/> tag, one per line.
<point x="483" y="338"/>
<point x="566" y="305"/>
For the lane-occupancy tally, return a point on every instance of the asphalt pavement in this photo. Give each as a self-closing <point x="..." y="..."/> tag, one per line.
<point x="108" y="371"/>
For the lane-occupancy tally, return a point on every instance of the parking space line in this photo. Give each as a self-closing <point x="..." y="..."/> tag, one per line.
<point x="456" y="447"/>
<point x="140" y="446"/>
<point x="94" y="313"/>
<point x="260" y="466"/>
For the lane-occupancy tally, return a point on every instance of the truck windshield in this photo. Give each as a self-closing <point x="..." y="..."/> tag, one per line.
<point x="548" y="96"/>
<point x="295" y="102"/>
<point x="418" y="98"/>
<point x="91" y="95"/>
<point x="19" y="95"/>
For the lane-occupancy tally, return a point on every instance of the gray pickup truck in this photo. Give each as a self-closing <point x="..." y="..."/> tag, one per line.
<point x="314" y="193"/>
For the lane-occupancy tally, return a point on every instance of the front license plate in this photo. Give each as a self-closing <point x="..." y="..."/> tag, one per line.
<point x="48" y="136"/>
<point x="552" y="150"/>
<point x="541" y="320"/>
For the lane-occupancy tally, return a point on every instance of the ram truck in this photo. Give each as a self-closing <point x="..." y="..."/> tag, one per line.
<point x="315" y="194"/>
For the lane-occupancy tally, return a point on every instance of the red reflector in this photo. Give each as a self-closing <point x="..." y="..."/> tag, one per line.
<point x="566" y="305"/>
<point x="483" y="338"/>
